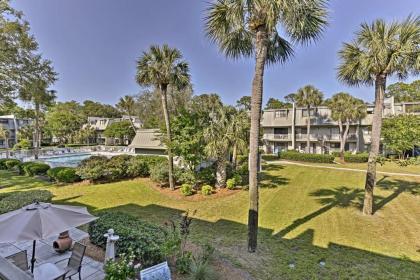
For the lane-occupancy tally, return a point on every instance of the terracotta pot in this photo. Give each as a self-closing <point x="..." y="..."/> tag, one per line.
<point x="63" y="243"/>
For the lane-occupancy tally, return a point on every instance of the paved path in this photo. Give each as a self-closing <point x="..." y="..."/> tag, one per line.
<point x="340" y="168"/>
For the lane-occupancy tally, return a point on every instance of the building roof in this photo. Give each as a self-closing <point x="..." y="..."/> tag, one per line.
<point x="147" y="139"/>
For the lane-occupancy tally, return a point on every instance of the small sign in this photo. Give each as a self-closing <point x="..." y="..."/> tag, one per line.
<point x="158" y="272"/>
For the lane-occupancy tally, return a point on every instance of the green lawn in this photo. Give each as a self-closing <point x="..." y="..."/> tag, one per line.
<point x="307" y="215"/>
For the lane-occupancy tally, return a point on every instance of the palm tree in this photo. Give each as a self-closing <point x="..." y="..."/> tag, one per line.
<point x="345" y="109"/>
<point x="379" y="51"/>
<point x="4" y="135"/>
<point x="252" y="29"/>
<point x="36" y="93"/>
<point x="239" y="131"/>
<point x="308" y="97"/>
<point x="218" y="141"/>
<point x="162" y="67"/>
<point x="127" y="105"/>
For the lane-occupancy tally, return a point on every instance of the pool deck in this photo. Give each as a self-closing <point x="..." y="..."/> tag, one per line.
<point x="91" y="269"/>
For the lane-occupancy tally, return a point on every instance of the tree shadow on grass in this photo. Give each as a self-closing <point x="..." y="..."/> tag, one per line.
<point x="397" y="187"/>
<point x="338" y="197"/>
<point x="275" y="254"/>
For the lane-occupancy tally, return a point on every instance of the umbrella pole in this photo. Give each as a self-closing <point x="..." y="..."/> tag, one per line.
<point x="33" y="256"/>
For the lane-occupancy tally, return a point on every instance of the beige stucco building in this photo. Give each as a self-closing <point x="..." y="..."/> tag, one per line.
<point x="285" y="129"/>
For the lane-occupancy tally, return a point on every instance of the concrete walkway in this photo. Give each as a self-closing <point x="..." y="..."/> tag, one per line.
<point x="277" y="162"/>
<point x="91" y="269"/>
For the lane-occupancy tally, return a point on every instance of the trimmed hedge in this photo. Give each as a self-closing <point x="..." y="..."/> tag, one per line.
<point x="268" y="157"/>
<point x="143" y="238"/>
<point x="357" y="158"/>
<point x="319" y="158"/>
<point x="3" y="163"/>
<point x="11" y="163"/>
<point x="17" y="200"/>
<point x="32" y="168"/>
<point x="63" y="174"/>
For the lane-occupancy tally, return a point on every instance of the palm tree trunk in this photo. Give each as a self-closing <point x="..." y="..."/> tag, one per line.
<point x="344" y="140"/>
<point x="163" y="90"/>
<point x="380" y="84"/>
<point x="256" y="100"/>
<point x="221" y="173"/>
<point x="6" y="144"/>
<point x="308" y="131"/>
<point x="37" y="132"/>
<point x="234" y="155"/>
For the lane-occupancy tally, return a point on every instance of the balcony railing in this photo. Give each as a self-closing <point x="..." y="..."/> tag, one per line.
<point x="313" y="137"/>
<point x="281" y="136"/>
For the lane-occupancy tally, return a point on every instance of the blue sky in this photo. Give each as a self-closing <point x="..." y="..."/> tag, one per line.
<point x="94" y="46"/>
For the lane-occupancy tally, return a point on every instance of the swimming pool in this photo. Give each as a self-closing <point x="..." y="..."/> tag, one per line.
<point x="70" y="160"/>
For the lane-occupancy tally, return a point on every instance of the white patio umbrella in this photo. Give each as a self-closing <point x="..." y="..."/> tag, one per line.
<point x="39" y="221"/>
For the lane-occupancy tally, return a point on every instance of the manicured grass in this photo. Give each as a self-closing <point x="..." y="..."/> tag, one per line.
<point x="307" y="215"/>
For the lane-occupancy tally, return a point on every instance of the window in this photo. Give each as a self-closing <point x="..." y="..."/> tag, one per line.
<point x="302" y="130"/>
<point x="370" y="111"/>
<point x="1" y="142"/>
<point x="280" y="114"/>
<point x="305" y="112"/>
<point x="335" y="145"/>
<point x="281" y="130"/>
<point x="4" y="121"/>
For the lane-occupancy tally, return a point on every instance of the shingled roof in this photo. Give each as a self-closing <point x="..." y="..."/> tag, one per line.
<point x="148" y="139"/>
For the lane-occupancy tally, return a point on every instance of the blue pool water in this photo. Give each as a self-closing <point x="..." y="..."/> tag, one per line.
<point x="71" y="160"/>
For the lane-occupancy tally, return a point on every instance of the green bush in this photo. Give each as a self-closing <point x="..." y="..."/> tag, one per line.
<point x="319" y="158"/>
<point x="93" y="168"/>
<point x="185" y="176"/>
<point x="207" y="175"/>
<point x="186" y="189"/>
<point x="117" y="166"/>
<point x="160" y="173"/>
<point x="206" y="190"/>
<point x="3" y="163"/>
<point x="23" y="144"/>
<point x="138" y="167"/>
<point x="11" y="163"/>
<point x="63" y="174"/>
<point x="32" y="168"/>
<point x="17" y="200"/>
<point x="357" y="158"/>
<point x="230" y="184"/>
<point x="268" y="157"/>
<point x="143" y="238"/>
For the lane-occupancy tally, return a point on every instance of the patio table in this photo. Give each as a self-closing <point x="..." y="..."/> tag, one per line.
<point x="48" y="271"/>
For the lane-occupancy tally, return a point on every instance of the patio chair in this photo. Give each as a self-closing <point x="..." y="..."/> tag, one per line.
<point x="61" y="277"/>
<point x="20" y="259"/>
<point x="74" y="264"/>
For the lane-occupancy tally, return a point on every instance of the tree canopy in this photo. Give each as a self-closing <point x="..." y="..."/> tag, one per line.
<point x="403" y="92"/>
<point x="274" y="103"/>
<point x="120" y="130"/>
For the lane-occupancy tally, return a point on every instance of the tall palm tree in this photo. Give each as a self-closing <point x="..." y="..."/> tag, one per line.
<point x="379" y="51"/>
<point x="161" y="67"/>
<point x="36" y="93"/>
<point x="309" y="97"/>
<point x="252" y="29"/>
<point x="345" y="110"/>
<point x="127" y="105"/>
<point x="218" y="141"/>
<point x="4" y="135"/>
<point x="239" y="131"/>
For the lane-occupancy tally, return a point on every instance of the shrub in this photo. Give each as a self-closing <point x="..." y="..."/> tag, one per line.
<point x="186" y="189"/>
<point x="23" y="144"/>
<point x="138" y="167"/>
<point x="319" y="158"/>
<point x="66" y="175"/>
<point x="270" y="157"/>
<point x="52" y="172"/>
<point x="160" y="173"/>
<point x="185" y="176"/>
<point x="357" y="158"/>
<point x="206" y="190"/>
<point x="93" y="168"/>
<point x="17" y="200"/>
<point x="33" y="168"/>
<point x="123" y="268"/>
<point x="183" y="262"/>
<point x="230" y="184"/>
<point x="143" y="238"/>
<point x="207" y="175"/>
<point x="117" y="166"/>
<point x="11" y="163"/>
<point x="3" y="163"/>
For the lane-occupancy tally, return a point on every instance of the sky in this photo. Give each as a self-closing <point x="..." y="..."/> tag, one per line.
<point x="94" y="45"/>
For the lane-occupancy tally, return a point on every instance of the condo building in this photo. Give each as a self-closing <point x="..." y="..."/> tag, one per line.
<point x="286" y="129"/>
<point x="12" y="124"/>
